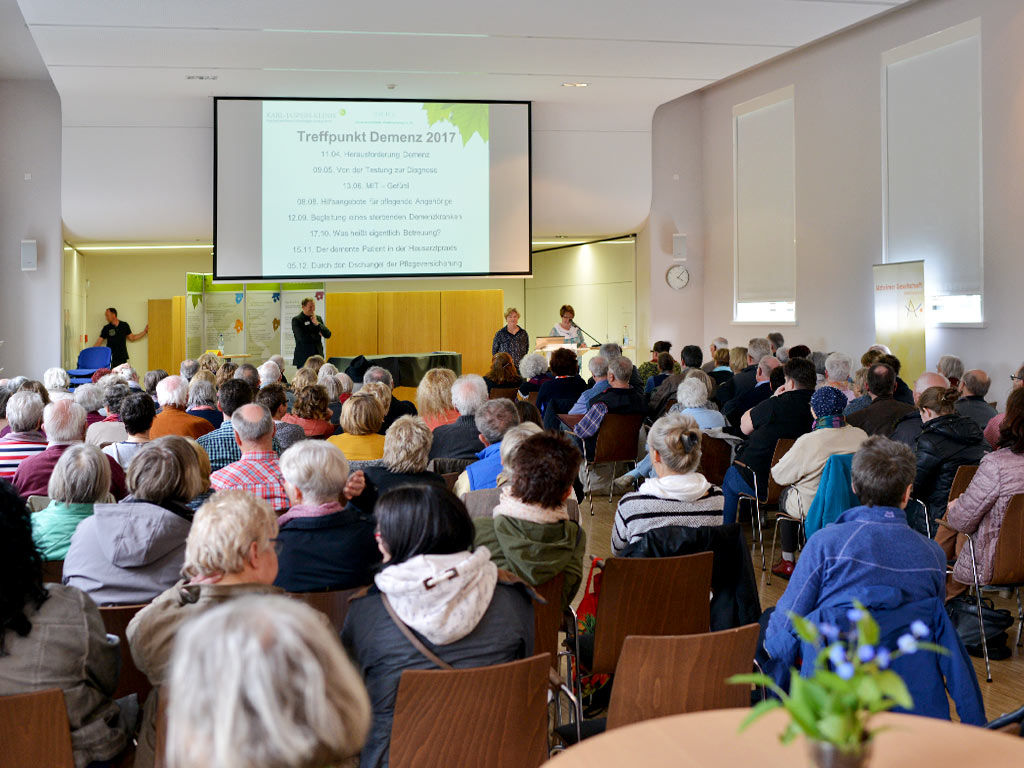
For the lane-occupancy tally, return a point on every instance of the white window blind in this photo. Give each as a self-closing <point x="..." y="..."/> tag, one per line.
<point x="932" y="140"/>
<point x="765" y="206"/>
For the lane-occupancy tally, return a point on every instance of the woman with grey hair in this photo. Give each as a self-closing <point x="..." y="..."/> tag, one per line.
<point x="534" y="370"/>
<point x="202" y="402"/>
<point x="262" y="682"/>
<point x="327" y="369"/>
<point x="406" y="455"/>
<point x="678" y="494"/>
<point x="324" y="542"/>
<point x="333" y="388"/>
<point x="950" y="366"/>
<point x="90" y="397"/>
<point x="57" y="383"/>
<point x="837" y="373"/>
<point x="80" y="480"/>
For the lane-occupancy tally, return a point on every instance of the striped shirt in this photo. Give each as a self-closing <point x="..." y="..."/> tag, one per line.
<point x="15" y="447"/>
<point x="639" y="513"/>
<point x="257" y="472"/>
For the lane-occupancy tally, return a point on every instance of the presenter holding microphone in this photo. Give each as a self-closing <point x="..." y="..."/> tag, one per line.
<point x="308" y="327"/>
<point x="567" y="329"/>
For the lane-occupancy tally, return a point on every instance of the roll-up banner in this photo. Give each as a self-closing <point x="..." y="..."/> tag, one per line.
<point x="899" y="314"/>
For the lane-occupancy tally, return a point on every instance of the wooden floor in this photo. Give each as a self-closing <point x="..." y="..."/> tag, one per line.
<point x="1004" y="694"/>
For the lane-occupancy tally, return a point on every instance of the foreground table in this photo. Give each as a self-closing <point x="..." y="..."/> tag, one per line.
<point x="710" y="739"/>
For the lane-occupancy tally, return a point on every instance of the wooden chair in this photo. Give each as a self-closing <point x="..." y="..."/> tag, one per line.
<point x="509" y="393"/>
<point x="116" y="619"/>
<point x="495" y="716"/>
<point x="673" y="675"/>
<point x="446" y="466"/>
<point x="770" y="500"/>
<point x="450" y="478"/>
<point x="962" y="479"/>
<point x="547" y="619"/>
<point x="715" y="458"/>
<point x="34" y="730"/>
<point x="332" y="603"/>
<point x="160" y="749"/>
<point x="53" y="571"/>
<point x="616" y="442"/>
<point x="38" y="503"/>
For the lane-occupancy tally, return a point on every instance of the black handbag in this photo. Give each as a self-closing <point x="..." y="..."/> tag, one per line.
<point x="963" y="612"/>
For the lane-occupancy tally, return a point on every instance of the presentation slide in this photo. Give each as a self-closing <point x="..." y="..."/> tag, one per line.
<point x="319" y="188"/>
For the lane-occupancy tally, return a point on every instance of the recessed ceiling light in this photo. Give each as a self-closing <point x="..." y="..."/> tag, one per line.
<point x="575" y="85"/>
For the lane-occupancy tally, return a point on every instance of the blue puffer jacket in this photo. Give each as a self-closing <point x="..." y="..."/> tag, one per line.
<point x="870" y="554"/>
<point x="484" y="473"/>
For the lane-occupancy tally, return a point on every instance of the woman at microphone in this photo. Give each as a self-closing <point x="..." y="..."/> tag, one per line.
<point x="566" y="328"/>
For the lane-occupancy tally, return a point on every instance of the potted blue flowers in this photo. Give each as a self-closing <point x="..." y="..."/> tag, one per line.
<point x="852" y="682"/>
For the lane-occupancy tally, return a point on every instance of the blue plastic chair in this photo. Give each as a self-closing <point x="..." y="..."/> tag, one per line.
<point x="90" y="360"/>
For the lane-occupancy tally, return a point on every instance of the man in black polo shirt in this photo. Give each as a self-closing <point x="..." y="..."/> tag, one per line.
<point x="786" y="415"/>
<point x="116" y="334"/>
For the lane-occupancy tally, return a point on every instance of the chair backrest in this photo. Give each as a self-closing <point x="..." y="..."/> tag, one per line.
<point x="116" y="619"/>
<point x="38" y="503"/>
<point x="34" y="730"/>
<point x="1008" y="564"/>
<point x="53" y="571"/>
<point x="715" y="458"/>
<point x="450" y="478"/>
<point x="95" y="358"/>
<point x="333" y="604"/>
<point x="676" y="674"/>
<point x="495" y="716"/>
<point x="548" y="618"/>
<point x="481" y="503"/>
<point x="509" y="393"/>
<point x="964" y="474"/>
<point x="774" y="489"/>
<point x="617" y="437"/>
<point x="446" y="466"/>
<point x="650" y="596"/>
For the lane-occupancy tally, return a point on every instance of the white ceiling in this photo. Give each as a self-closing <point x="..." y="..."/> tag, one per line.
<point x="137" y="151"/>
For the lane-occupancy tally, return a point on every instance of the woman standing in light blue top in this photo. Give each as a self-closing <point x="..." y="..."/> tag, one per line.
<point x="692" y="400"/>
<point x="80" y="479"/>
<point x="567" y="329"/>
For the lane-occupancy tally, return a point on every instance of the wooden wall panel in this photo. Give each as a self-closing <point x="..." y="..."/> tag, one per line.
<point x="352" y="318"/>
<point x="409" y="322"/>
<point x="161" y="335"/>
<point x="469" y="320"/>
<point x="178" y="353"/>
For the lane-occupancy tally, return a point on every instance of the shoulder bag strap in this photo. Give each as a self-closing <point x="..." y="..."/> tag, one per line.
<point x="404" y="629"/>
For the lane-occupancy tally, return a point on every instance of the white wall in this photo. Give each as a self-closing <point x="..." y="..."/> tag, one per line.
<point x="839" y="184"/>
<point x="30" y="319"/>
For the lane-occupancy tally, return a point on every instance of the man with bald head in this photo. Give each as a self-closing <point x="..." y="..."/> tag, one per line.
<point x="909" y="426"/>
<point x="973" y="387"/>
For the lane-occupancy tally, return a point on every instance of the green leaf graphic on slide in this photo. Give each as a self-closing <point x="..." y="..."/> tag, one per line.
<point x="468" y="118"/>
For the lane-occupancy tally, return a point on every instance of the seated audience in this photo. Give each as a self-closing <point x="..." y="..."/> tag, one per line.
<point x="226" y="373"/>
<point x="666" y="366"/>
<point x="973" y="387"/>
<point x="713" y="347"/>
<point x="861" y="398"/>
<point x="202" y="401"/>
<point x="800" y="350"/>
<point x="870" y="554"/>
<point x="304" y="377"/>
<point x="361" y="417"/>
<point x="90" y="397"/>
<point x="137" y="413"/>
<point x="326" y="370"/>
<point x="172" y="397"/>
<point x="248" y="373"/>
<point x="269" y="373"/>
<point x="397" y="408"/>
<point x="559" y="394"/>
<point x="57" y="383"/>
<point x="733" y="410"/>
<point x="947" y="442"/>
<point x="274" y="398"/>
<point x="952" y="367"/>
<point x="220" y="445"/>
<point x="880" y="417"/>
<point x="64" y="425"/>
<point x="837" y="373"/>
<point x="902" y="393"/>
<point x="456" y="601"/>
<point x="745" y="379"/>
<point x="188" y="369"/>
<point x="205" y="491"/>
<point x="80" y="480"/>
<point x="503" y="373"/>
<point x="493" y="419"/>
<point x="131" y="552"/>
<point x="677" y="494"/>
<point x="786" y="415"/>
<point x="209" y="362"/>
<point x="528" y="413"/>
<point x="908" y="426"/>
<point x="131" y="378"/>
<point x="529" y="532"/>
<point x="481" y="503"/>
<point x="996" y="422"/>
<point x="620" y="397"/>
<point x="737" y="359"/>
<point x="279" y="361"/>
<point x="381" y="392"/>
<point x="534" y="370"/>
<point x="323" y="543"/>
<point x="405" y="459"/>
<point x="110" y="429"/>
<point x="777" y="341"/>
<point x="154" y="377"/>
<point x="981" y="508"/>
<point x="25" y="417"/>
<point x="692" y="357"/>
<point x="800" y="470"/>
<point x="650" y="368"/>
<point x="30" y="385"/>
<point x="312" y="412"/>
<point x="599" y="373"/>
<point x="720" y="371"/>
<point x="334" y="399"/>
<point x="258" y="470"/>
<point x="461" y="438"/>
<point x="262" y="682"/>
<point x="434" y="398"/>
<point x="52" y="636"/>
<point x="315" y="363"/>
<point x="229" y="554"/>
<point x="346" y="384"/>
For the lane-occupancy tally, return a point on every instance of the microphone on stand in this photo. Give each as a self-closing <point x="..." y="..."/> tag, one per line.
<point x="588" y="334"/>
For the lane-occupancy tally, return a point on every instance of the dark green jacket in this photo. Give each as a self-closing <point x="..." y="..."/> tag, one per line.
<point x="535" y="552"/>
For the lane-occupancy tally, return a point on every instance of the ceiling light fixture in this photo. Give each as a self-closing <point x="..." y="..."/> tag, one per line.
<point x="575" y="85"/>
<point x="190" y="246"/>
<point x="376" y="34"/>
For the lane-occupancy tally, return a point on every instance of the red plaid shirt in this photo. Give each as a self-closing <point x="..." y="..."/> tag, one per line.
<point x="258" y="472"/>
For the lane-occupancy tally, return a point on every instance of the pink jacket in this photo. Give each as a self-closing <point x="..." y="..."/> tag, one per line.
<point x="980" y="510"/>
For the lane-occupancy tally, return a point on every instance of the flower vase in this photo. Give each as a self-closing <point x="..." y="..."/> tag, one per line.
<point x="824" y="754"/>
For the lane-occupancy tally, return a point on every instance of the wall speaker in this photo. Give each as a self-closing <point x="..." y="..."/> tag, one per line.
<point x="679" y="247"/>
<point x="29" y="256"/>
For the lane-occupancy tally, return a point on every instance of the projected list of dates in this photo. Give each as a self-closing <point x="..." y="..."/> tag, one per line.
<point x="365" y="206"/>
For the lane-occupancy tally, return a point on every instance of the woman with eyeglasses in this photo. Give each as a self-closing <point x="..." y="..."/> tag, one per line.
<point x="566" y="328"/>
